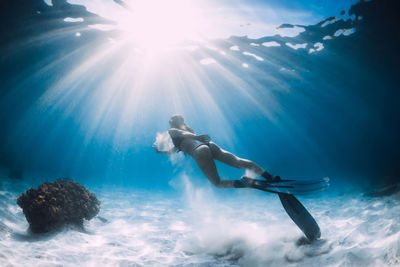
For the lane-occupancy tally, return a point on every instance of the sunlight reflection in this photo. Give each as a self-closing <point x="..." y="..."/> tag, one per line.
<point x="271" y="44"/>
<point x="296" y="46"/>
<point x="253" y="55"/>
<point x="68" y="19"/>
<point x="207" y="61"/>
<point x="154" y="24"/>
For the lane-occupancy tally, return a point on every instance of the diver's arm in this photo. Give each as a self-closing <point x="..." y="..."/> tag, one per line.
<point x="168" y="152"/>
<point x="204" y="138"/>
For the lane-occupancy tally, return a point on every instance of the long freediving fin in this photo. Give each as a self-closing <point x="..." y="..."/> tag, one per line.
<point x="291" y="191"/>
<point x="291" y="186"/>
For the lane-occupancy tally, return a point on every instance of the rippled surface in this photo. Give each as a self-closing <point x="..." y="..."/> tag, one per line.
<point x="204" y="227"/>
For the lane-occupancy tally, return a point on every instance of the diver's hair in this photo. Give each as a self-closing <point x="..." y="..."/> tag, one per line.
<point x="183" y="126"/>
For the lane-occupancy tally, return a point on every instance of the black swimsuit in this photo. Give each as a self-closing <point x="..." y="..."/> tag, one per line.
<point x="177" y="141"/>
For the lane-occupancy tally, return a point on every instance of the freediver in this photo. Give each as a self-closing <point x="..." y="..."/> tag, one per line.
<point x="205" y="152"/>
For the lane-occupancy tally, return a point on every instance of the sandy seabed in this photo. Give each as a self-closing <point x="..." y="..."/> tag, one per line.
<point x="207" y="227"/>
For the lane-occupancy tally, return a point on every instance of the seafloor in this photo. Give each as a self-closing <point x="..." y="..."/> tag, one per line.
<point x="206" y="227"/>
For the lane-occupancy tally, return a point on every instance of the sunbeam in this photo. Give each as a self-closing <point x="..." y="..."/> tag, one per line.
<point x="154" y="25"/>
<point x="156" y="59"/>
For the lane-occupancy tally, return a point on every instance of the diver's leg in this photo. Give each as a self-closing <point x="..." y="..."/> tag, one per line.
<point x="234" y="161"/>
<point x="205" y="161"/>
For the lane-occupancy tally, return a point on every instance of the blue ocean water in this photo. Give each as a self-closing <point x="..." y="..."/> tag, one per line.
<point x="82" y="99"/>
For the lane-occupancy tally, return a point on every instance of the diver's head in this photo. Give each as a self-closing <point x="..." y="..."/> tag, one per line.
<point x="176" y="121"/>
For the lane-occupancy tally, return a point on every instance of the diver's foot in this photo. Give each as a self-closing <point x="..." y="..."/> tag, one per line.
<point x="275" y="179"/>
<point x="247" y="181"/>
<point x="271" y="179"/>
<point x="267" y="176"/>
<point x="244" y="182"/>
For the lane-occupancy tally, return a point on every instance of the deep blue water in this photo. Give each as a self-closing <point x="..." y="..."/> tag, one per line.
<point x="87" y="104"/>
<point x="70" y="106"/>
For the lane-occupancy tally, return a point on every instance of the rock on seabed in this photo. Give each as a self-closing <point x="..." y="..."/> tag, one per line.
<point x="55" y="204"/>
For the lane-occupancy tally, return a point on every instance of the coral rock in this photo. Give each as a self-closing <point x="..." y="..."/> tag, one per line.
<point x="55" y="204"/>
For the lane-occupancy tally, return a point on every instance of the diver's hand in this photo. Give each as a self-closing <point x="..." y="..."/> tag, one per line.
<point x="156" y="148"/>
<point x="204" y="138"/>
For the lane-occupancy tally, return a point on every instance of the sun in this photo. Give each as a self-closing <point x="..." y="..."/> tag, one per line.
<point x="155" y="24"/>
